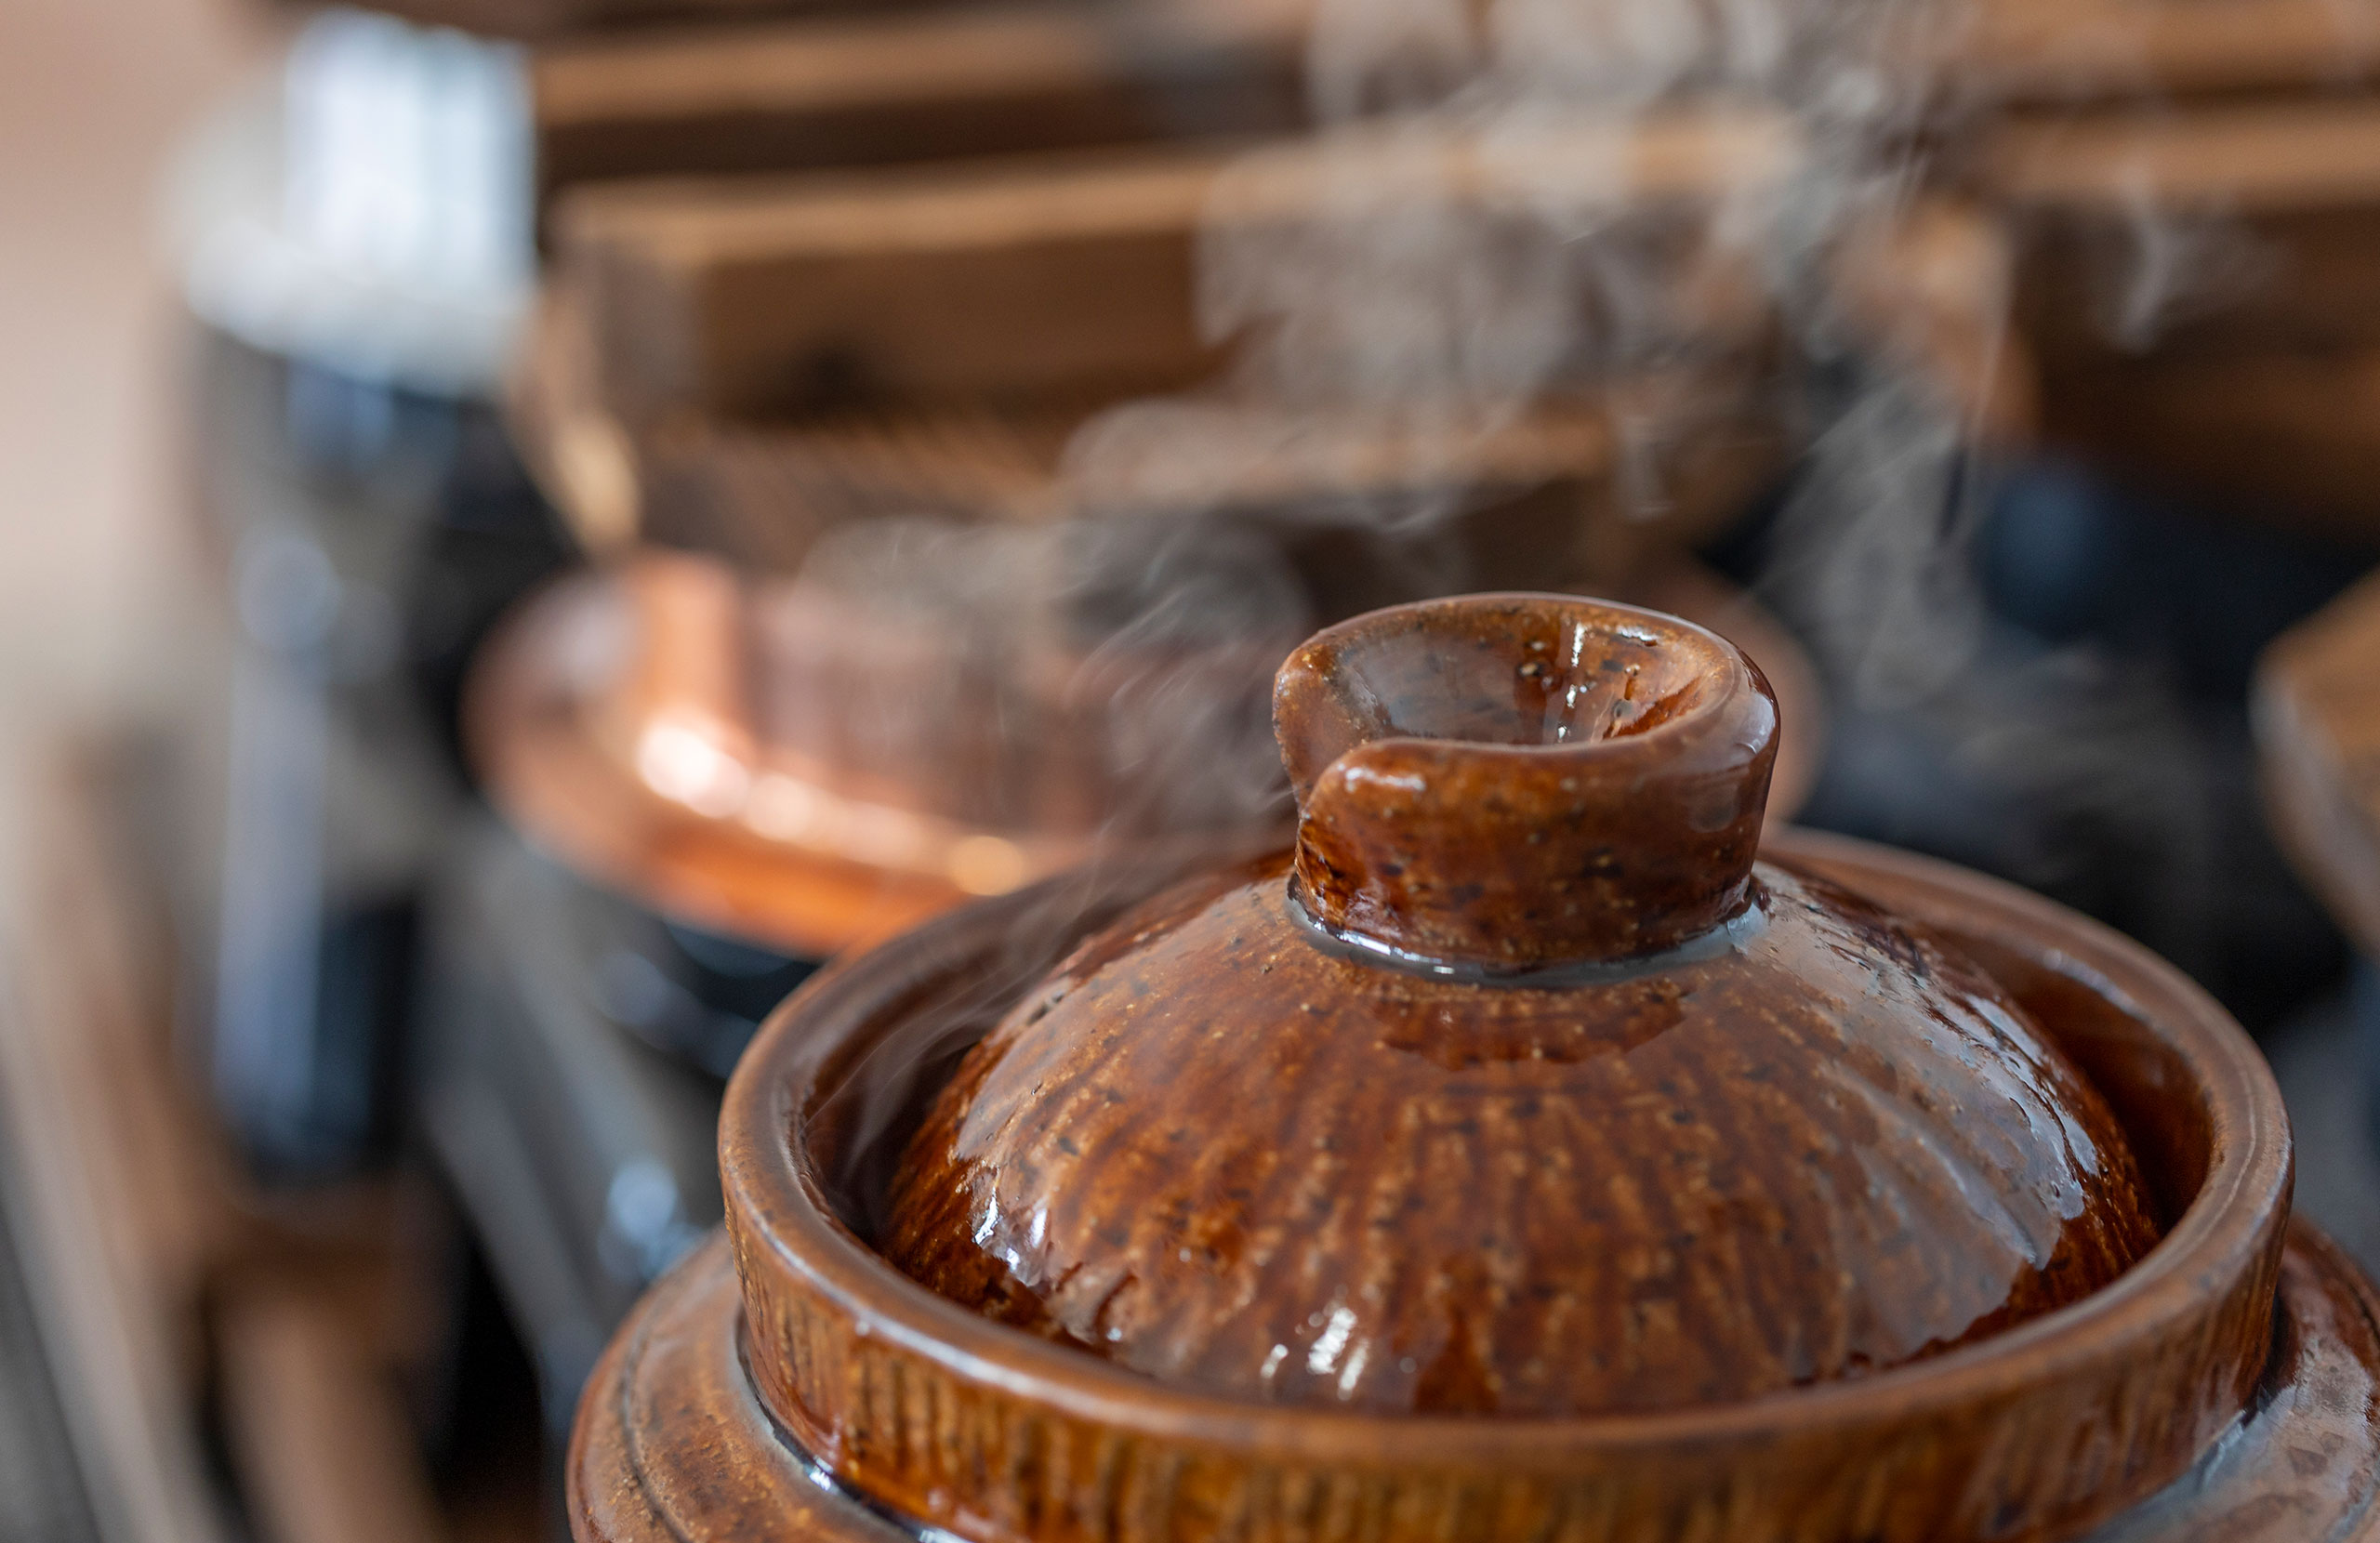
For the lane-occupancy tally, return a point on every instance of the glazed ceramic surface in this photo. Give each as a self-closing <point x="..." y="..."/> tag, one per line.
<point x="1518" y="1089"/>
<point x="933" y="1413"/>
<point x="672" y="1446"/>
<point x="2223" y="1385"/>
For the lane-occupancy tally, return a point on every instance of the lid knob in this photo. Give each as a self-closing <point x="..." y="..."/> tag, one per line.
<point x="1507" y="782"/>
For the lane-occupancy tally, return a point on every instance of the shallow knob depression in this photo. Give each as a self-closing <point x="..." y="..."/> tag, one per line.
<point x="1518" y="1089"/>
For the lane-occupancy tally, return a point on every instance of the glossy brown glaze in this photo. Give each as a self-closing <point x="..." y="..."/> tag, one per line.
<point x="1234" y="1160"/>
<point x="1515" y="781"/>
<point x="1738" y="1164"/>
<point x="934" y="1412"/>
<point x="671" y="1444"/>
<point x="1238" y="1148"/>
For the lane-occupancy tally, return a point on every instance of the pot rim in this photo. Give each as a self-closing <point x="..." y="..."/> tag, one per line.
<point x="2229" y="1230"/>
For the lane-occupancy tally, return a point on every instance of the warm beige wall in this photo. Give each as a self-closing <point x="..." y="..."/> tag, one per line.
<point x="94" y="565"/>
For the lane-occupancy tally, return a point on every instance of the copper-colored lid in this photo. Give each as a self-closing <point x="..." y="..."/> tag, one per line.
<point x="1519" y="1087"/>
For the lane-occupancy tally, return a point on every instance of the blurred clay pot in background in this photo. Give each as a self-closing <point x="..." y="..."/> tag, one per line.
<point x="929" y="712"/>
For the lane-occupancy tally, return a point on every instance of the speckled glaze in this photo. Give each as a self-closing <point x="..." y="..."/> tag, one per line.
<point x="1508" y="782"/>
<point x="672" y="1448"/>
<point x="822" y="1395"/>
<point x="1300" y="1149"/>
<point x="2225" y="1386"/>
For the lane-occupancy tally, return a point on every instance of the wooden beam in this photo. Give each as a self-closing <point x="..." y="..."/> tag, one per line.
<point x="1688" y="446"/>
<point x="2083" y="50"/>
<point x="2199" y="288"/>
<point x="2250" y="159"/>
<point x="1074" y="272"/>
<point x="2288" y="438"/>
<point x="529" y="20"/>
<point x="797" y="95"/>
<point x="728" y="300"/>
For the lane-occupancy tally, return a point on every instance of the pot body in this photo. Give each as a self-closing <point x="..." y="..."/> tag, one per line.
<point x="828" y="1396"/>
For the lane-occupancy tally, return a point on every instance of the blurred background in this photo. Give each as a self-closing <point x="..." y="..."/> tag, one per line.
<point x="533" y="524"/>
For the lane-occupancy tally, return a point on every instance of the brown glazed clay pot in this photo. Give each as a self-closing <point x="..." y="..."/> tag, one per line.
<point x="1517" y="1089"/>
<point x="1517" y="1157"/>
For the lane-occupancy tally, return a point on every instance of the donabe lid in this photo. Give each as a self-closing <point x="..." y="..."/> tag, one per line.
<point x="1519" y="1087"/>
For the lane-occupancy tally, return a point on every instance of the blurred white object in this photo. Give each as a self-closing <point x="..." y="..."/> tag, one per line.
<point x="369" y="208"/>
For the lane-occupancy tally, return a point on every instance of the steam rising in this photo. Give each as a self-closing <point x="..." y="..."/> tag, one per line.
<point x="1676" y="217"/>
<point x="1513" y="204"/>
<point x="1532" y="201"/>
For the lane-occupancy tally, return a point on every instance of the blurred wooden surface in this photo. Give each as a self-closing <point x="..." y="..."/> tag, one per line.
<point x="760" y="494"/>
<point x="2037" y="47"/>
<point x="2317" y="707"/>
<point x="164" y="1273"/>
<point x="1007" y="277"/>
<point x="864" y="90"/>
<point x="2198" y="286"/>
<point x="537" y="19"/>
<point x="118" y="1187"/>
<point x="2291" y="437"/>
<point x="315" y="1424"/>
<point x="2092" y="49"/>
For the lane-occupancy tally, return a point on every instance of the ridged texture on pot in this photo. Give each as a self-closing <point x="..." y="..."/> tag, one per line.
<point x="671" y="1447"/>
<point x="1218" y="1153"/>
<point x="939" y="1414"/>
